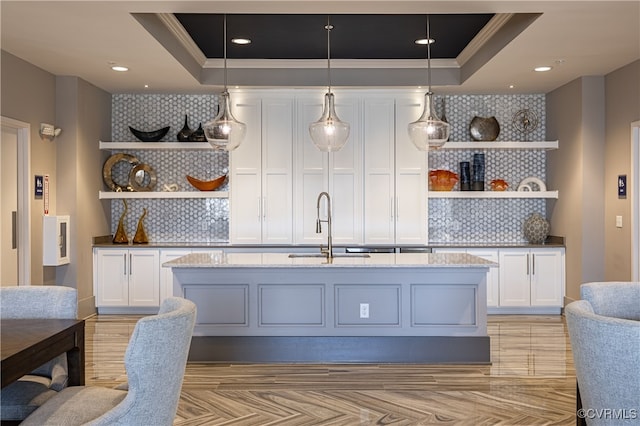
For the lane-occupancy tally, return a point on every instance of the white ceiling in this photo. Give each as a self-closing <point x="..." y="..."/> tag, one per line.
<point x="81" y="38"/>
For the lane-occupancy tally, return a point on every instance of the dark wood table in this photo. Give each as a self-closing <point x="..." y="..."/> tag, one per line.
<point x="26" y="344"/>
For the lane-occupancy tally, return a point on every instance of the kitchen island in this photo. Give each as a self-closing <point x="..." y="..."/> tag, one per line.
<point x="396" y="307"/>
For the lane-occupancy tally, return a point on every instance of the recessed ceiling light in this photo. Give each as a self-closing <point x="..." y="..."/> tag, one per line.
<point x="512" y="86"/>
<point x="424" y="41"/>
<point x="240" y="40"/>
<point x="119" y="68"/>
<point x="542" y="69"/>
<point x="146" y="86"/>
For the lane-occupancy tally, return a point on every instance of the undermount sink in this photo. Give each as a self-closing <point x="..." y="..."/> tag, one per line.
<point x="293" y="255"/>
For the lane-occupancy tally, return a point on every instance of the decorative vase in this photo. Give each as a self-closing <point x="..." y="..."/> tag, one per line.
<point x="141" y="235"/>
<point x="536" y="229"/>
<point x="484" y="128"/>
<point x="198" y="135"/>
<point x="120" y="236"/>
<point x="185" y="132"/>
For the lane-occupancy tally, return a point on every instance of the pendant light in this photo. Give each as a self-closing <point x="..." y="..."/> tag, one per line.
<point x="329" y="133"/>
<point x="224" y="132"/>
<point x="429" y="132"/>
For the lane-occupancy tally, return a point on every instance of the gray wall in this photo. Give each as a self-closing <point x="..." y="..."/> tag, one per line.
<point x="591" y="118"/>
<point x="28" y="94"/>
<point x="575" y="116"/>
<point x="83" y="111"/>
<point x="622" y="108"/>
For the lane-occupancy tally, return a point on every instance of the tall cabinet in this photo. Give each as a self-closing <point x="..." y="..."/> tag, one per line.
<point x="395" y="190"/>
<point x="261" y="201"/>
<point x="338" y="173"/>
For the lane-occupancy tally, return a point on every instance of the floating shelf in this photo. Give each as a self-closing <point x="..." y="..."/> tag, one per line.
<point x="109" y="195"/>
<point x="546" y="145"/>
<point x="493" y="194"/>
<point x="154" y="145"/>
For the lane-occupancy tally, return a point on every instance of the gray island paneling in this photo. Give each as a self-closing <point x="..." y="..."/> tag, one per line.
<point x="398" y="307"/>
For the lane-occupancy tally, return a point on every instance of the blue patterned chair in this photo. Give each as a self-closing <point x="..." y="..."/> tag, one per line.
<point x="604" y="328"/>
<point x="155" y="361"/>
<point x="21" y="398"/>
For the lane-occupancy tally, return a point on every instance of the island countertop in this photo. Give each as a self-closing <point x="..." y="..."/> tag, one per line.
<point x="373" y="260"/>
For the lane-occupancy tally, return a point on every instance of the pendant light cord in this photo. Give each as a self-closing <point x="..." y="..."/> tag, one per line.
<point x="428" y="55"/>
<point x="329" y="27"/>
<point x="225" y="51"/>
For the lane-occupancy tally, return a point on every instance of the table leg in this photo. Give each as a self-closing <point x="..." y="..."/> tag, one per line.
<point x="75" y="359"/>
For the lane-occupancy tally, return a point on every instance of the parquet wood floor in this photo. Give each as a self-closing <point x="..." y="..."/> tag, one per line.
<point x="531" y="381"/>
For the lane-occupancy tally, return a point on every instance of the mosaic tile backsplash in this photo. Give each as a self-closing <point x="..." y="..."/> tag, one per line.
<point x="456" y="221"/>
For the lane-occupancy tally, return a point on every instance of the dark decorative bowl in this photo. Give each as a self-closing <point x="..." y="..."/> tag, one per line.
<point x="153" y="136"/>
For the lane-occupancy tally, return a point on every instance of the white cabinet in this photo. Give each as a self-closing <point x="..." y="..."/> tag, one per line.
<point x="261" y="199"/>
<point x="493" y="276"/>
<point x="126" y="277"/>
<point x="411" y="177"/>
<point x="395" y="188"/>
<point x="338" y="173"/>
<point x="532" y="277"/>
<point x="166" y="274"/>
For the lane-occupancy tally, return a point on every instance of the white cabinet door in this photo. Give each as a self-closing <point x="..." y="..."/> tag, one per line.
<point x="166" y="274"/>
<point x="345" y="177"/>
<point x="144" y="278"/>
<point x="339" y="173"/>
<point x="127" y="277"/>
<point x="411" y="177"/>
<point x="532" y="277"/>
<point x="112" y="277"/>
<point x="379" y="170"/>
<point x="514" y="277"/>
<point x="245" y="199"/>
<point x="547" y="277"/>
<point x="493" y="276"/>
<point x="311" y="172"/>
<point x="261" y="172"/>
<point x="277" y="170"/>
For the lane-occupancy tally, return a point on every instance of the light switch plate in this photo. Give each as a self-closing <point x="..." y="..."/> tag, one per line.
<point x="618" y="221"/>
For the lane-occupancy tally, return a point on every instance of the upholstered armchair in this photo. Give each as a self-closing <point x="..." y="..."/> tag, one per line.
<point x="604" y="329"/>
<point x="155" y="361"/>
<point x="21" y="398"/>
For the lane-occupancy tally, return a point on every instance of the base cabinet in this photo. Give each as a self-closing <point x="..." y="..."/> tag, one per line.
<point x="125" y="277"/>
<point x="527" y="280"/>
<point x="532" y="277"/>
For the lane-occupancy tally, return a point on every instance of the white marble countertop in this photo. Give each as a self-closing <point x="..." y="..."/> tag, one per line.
<point x="374" y="260"/>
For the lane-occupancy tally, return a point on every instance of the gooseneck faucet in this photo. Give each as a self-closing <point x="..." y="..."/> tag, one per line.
<point x="329" y="250"/>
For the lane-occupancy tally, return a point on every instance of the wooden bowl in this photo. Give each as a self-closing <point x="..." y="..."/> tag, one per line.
<point x="206" y="185"/>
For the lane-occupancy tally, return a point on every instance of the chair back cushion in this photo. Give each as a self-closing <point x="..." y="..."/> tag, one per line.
<point x="613" y="299"/>
<point x="606" y="353"/>
<point x="45" y="301"/>
<point x="155" y="361"/>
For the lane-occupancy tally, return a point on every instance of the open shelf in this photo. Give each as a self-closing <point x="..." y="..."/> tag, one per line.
<point x="154" y="145"/>
<point x="493" y="194"/>
<point x="110" y="195"/>
<point x="546" y="145"/>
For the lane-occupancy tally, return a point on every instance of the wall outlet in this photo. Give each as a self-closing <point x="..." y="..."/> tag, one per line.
<point x="364" y="310"/>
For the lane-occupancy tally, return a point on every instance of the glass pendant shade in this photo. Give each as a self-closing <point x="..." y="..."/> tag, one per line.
<point x="329" y="133"/>
<point x="429" y="132"/>
<point x="224" y="132"/>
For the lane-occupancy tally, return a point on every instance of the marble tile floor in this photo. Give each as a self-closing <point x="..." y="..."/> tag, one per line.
<point x="531" y="381"/>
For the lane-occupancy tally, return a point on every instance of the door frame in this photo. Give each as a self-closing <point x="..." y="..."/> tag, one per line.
<point x="635" y="200"/>
<point x="24" y="207"/>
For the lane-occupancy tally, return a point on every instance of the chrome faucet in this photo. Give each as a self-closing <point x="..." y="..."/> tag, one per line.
<point x="329" y="250"/>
